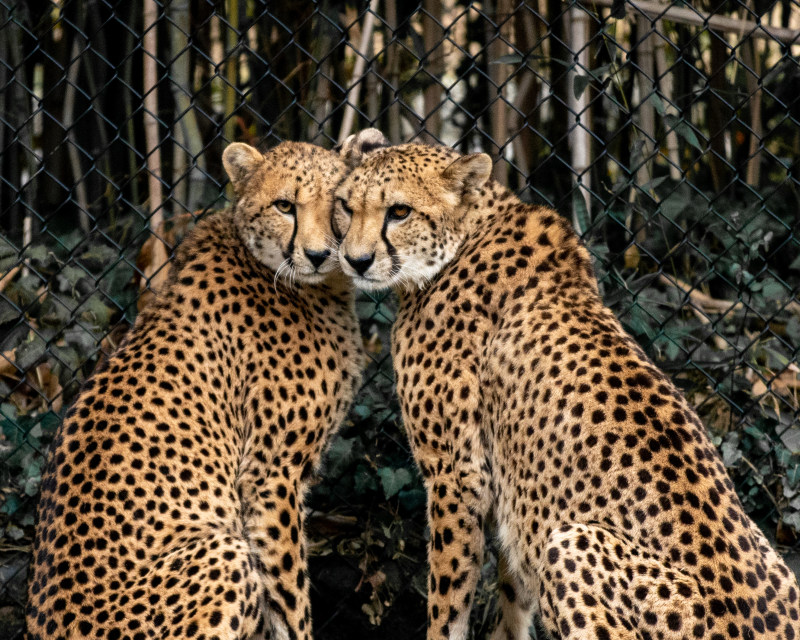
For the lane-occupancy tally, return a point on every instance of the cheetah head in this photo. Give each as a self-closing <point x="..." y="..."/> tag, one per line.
<point x="283" y="206"/>
<point x="401" y="212"/>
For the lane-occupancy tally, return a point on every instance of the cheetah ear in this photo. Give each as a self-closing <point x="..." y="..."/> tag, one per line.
<point x="470" y="171"/>
<point x="241" y="161"/>
<point x="359" y="145"/>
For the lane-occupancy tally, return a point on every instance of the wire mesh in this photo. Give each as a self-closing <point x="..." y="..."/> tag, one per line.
<point x="667" y="133"/>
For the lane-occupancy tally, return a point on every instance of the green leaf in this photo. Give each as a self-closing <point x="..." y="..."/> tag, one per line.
<point x="511" y="58"/>
<point x="362" y="411"/>
<point x="363" y="480"/>
<point x="32" y="485"/>
<point x="579" y="84"/>
<point x="28" y="353"/>
<point x="581" y="213"/>
<point x="7" y="249"/>
<point x="94" y="309"/>
<point x="99" y="256"/>
<point x="650" y="185"/>
<point x="38" y="253"/>
<point x="773" y="290"/>
<point x="68" y="277"/>
<point x="11" y="505"/>
<point x="791" y="439"/>
<point x="658" y="104"/>
<point x="731" y="454"/>
<point x="412" y="499"/>
<point x="7" y="311"/>
<point x="340" y="449"/>
<point x="680" y="127"/>
<point x="392" y="480"/>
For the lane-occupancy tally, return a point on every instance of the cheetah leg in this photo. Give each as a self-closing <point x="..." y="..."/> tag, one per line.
<point x="208" y="586"/>
<point x="597" y="585"/>
<point x="458" y="506"/>
<point x="275" y="529"/>
<point x="516" y="605"/>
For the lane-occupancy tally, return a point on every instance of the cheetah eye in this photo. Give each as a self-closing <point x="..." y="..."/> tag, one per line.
<point x="344" y="206"/>
<point x="284" y="206"/>
<point x="398" y="211"/>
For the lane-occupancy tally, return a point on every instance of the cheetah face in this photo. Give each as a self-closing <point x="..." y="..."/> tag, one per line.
<point x="283" y="208"/>
<point x="401" y="211"/>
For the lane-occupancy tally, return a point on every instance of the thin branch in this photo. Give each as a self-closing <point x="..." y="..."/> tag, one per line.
<point x="697" y="18"/>
<point x="354" y="91"/>
<point x="709" y="304"/>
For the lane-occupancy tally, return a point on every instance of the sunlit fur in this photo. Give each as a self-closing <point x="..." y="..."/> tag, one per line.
<point x="301" y="174"/>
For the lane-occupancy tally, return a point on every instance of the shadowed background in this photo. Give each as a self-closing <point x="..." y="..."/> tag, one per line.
<point x="669" y="134"/>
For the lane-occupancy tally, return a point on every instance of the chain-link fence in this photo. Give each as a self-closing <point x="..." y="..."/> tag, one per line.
<point x="669" y="133"/>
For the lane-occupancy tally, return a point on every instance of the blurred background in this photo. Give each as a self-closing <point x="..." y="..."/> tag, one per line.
<point x="667" y="132"/>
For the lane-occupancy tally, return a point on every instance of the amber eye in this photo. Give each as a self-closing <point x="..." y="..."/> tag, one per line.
<point x="344" y="206"/>
<point x="284" y="206"/>
<point x="398" y="211"/>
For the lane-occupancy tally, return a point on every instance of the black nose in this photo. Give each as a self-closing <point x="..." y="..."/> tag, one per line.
<point x="361" y="264"/>
<point x="317" y="257"/>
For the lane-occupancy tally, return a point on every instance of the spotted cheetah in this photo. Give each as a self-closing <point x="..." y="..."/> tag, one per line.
<point x="172" y="506"/>
<point x="524" y="399"/>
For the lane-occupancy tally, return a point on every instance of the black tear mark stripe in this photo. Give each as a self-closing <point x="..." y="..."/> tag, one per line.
<point x="389" y="247"/>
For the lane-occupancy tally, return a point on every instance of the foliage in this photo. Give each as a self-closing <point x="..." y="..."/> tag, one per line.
<point x="709" y="286"/>
<point x="66" y="300"/>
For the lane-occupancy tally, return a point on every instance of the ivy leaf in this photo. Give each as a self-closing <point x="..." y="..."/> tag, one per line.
<point x="363" y="480"/>
<point x="8" y="311"/>
<point x="393" y="480"/>
<point x="412" y="499"/>
<point x="791" y="439"/>
<point x="28" y="353"/>
<point x="773" y="290"/>
<point x="94" y="309"/>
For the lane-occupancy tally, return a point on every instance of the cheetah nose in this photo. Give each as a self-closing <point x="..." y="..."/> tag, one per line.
<point x="361" y="264"/>
<point x="317" y="257"/>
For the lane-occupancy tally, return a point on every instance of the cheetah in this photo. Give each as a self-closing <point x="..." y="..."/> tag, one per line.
<point x="525" y="401"/>
<point x="172" y="505"/>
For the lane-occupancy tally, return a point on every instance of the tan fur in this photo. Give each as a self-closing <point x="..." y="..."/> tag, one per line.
<point x="524" y="399"/>
<point x="172" y="505"/>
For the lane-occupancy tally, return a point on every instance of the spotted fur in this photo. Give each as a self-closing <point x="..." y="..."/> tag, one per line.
<point x="172" y="505"/>
<point x="524" y="399"/>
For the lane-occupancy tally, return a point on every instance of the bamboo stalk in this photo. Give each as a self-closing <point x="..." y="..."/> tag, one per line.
<point x="647" y="116"/>
<point x="154" y="274"/>
<point x="231" y="69"/>
<point x="752" y="61"/>
<point x="69" y="124"/>
<point x="432" y="34"/>
<point x="694" y="17"/>
<point x="498" y="74"/>
<point x="667" y="90"/>
<point x="354" y="90"/>
<point x="189" y="149"/>
<point x="579" y="138"/>
<point x="393" y="71"/>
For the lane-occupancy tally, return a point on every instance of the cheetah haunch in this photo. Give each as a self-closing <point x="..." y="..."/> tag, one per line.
<point x="172" y="505"/>
<point x="525" y="399"/>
